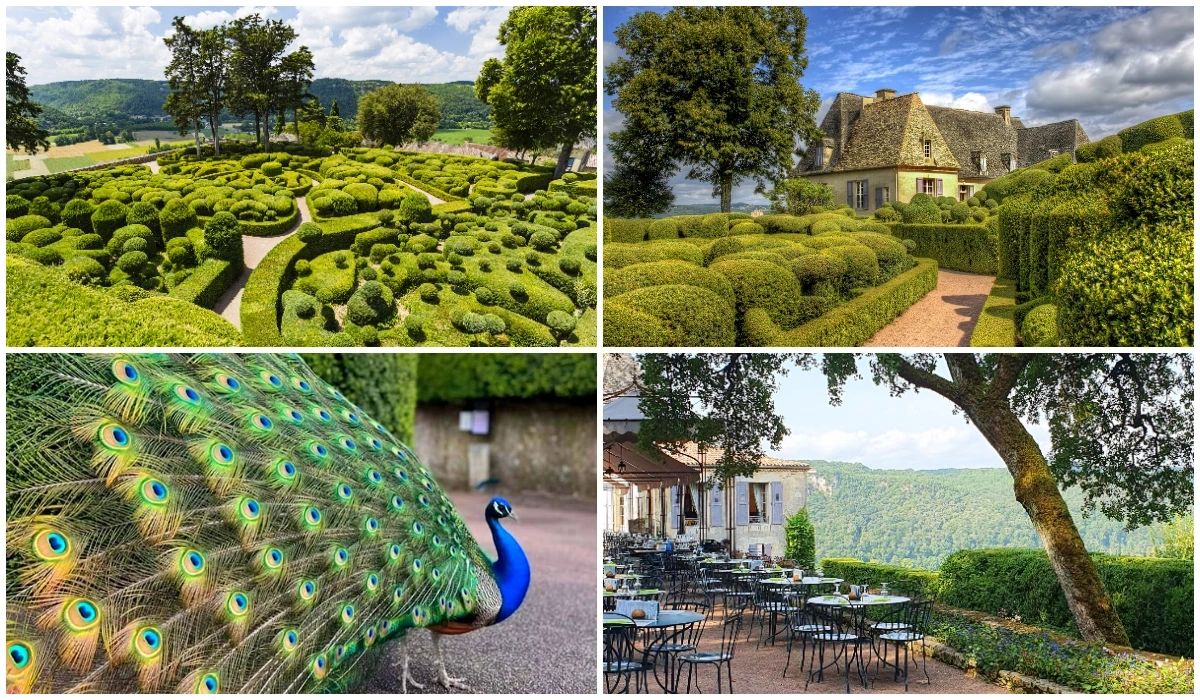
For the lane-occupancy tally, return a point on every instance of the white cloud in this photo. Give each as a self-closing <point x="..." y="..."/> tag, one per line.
<point x="483" y="23"/>
<point x="64" y="43"/>
<point x="971" y="100"/>
<point x="211" y="18"/>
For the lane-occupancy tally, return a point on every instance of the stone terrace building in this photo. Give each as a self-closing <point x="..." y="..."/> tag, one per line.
<point x="887" y="148"/>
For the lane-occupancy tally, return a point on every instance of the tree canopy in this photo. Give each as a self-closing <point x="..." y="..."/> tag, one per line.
<point x="396" y="114"/>
<point x="21" y="130"/>
<point x="718" y="87"/>
<point x="715" y="400"/>
<point x="543" y="92"/>
<point x="798" y="196"/>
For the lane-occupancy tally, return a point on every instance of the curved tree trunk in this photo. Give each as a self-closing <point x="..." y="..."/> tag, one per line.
<point x="1037" y="491"/>
<point x="726" y="192"/>
<point x="564" y="155"/>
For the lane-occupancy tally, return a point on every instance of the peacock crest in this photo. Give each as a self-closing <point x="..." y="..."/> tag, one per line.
<point x="215" y="523"/>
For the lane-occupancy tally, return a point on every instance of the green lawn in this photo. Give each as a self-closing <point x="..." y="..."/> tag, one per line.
<point x="58" y="165"/>
<point x="15" y="165"/>
<point x="459" y="136"/>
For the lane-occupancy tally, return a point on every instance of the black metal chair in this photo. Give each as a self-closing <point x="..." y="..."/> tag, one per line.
<point x="668" y="647"/>
<point x="622" y="661"/>
<point x="916" y="623"/>
<point x="771" y="607"/>
<point x="723" y="656"/>
<point x="841" y="642"/>
<point x="802" y="625"/>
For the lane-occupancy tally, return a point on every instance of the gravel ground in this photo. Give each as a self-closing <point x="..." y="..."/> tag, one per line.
<point x="759" y="669"/>
<point x="549" y="645"/>
<point x="943" y="318"/>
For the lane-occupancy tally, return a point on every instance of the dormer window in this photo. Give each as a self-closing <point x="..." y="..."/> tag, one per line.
<point x="1006" y="159"/>
<point x="819" y="160"/>
<point x="928" y="148"/>
<point x="977" y="160"/>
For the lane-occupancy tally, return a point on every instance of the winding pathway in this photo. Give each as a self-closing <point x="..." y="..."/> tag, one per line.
<point x="944" y="317"/>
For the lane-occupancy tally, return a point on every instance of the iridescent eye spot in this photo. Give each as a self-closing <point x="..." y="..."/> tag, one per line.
<point x="261" y="422"/>
<point x="221" y="453"/>
<point x="347" y="613"/>
<point x="374" y="476"/>
<point x="249" y="509"/>
<point x="308" y="589"/>
<point x="126" y="373"/>
<point x="340" y="556"/>
<point x="154" y="491"/>
<point x="423" y="500"/>
<point x="147" y="642"/>
<point x="401" y="474"/>
<point x="344" y="492"/>
<point x="318" y="667"/>
<point x="273" y="558"/>
<point x="51" y="545"/>
<point x="324" y="415"/>
<point x="271" y="379"/>
<point x="416" y="565"/>
<point x="191" y="563"/>
<point x="418" y="528"/>
<point x="293" y="415"/>
<point x="312" y="516"/>
<point x="238" y="604"/>
<point x="19" y="655"/>
<point x="397" y="503"/>
<point x="290" y="640"/>
<point x="397" y="453"/>
<point x="437" y="541"/>
<point x="228" y="383"/>
<point x="376" y="444"/>
<point x="398" y="593"/>
<point x="372" y="582"/>
<point x="372" y="525"/>
<point x="347" y="444"/>
<point x="318" y="450"/>
<point x="394" y="551"/>
<point x="285" y="469"/>
<point x="428" y="485"/>
<point x="302" y="385"/>
<point x="418" y="614"/>
<point x="370" y="634"/>
<point x="187" y="394"/>
<point x="114" y="437"/>
<point x="80" y="615"/>
<point x="352" y="419"/>
<point x="208" y="684"/>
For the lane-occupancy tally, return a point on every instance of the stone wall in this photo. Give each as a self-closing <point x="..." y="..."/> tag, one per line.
<point x="546" y="446"/>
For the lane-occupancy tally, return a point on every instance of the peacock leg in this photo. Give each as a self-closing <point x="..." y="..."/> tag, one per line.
<point x="444" y="678"/>
<point x="406" y="679"/>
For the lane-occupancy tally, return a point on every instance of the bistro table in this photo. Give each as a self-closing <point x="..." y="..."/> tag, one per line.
<point x="869" y="599"/>
<point x="806" y="581"/>
<point x="666" y="620"/>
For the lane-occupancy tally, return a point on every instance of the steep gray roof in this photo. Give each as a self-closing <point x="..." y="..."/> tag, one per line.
<point x="970" y="132"/>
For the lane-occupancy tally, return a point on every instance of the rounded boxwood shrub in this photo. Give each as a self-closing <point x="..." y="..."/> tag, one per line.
<point x="146" y="214"/>
<point x="366" y="197"/>
<point x="77" y="213"/>
<point x="272" y="168"/>
<point x="223" y="238"/>
<point x="691" y="316"/>
<point x="132" y="262"/>
<point x="84" y="270"/>
<point x="42" y="206"/>
<point x="862" y="266"/>
<point x="485" y="296"/>
<point x="15" y="205"/>
<point x="181" y="252"/>
<point x="108" y="217"/>
<point x="332" y="203"/>
<point x="18" y="228"/>
<point x="309" y="232"/>
<point x="649" y="274"/>
<point x="42" y="237"/>
<point x="414" y="208"/>
<point x="662" y="228"/>
<point x="176" y="219"/>
<point x="370" y="304"/>
<point x="921" y="209"/>
<point x="1039" y="328"/>
<point x="746" y="228"/>
<point x="617" y="255"/>
<point x="763" y="285"/>
<point x="428" y="293"/>
<point x="625" y="326"/>
<point x="561" y="323"/>
<point x="820" y="275"/>
<point x="119" y="237"/>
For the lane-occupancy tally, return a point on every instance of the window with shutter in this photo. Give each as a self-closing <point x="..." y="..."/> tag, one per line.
<point x="878" y="197"/>
<point x="928" y="148"/>
<point x="850" y="193"/>
<point x="939" y="187"/>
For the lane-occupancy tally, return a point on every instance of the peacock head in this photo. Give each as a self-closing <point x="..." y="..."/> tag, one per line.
<point x="500" y="508"/>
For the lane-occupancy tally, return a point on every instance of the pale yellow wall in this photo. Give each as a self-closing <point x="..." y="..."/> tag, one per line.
<point x="903" y="184"/>
<point x="908" y="184"/>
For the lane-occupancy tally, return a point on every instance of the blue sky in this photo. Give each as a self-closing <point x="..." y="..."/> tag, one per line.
<point x="1107" y="66"/>
<point x="919" y="430"/>
<point x="404" y="44"/>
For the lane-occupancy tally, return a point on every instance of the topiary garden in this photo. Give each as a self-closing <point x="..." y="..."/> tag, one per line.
<point x="728" y="279"/>
<point x="402" y="249"/>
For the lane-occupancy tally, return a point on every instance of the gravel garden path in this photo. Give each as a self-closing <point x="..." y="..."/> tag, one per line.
<point x="943" y="318"/>
<point x="255" y="249"/>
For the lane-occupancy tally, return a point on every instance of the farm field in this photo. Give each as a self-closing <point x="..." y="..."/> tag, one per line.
<point x="459" y="136"/>
<point x="368" y="247"/>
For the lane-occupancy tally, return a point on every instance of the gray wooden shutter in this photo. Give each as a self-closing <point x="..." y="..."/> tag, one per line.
<point x="776" y="503"/>
<point x="939" y="187"/>
<point x="866" y="190"/>
<point x="878" y="197"/>
<point x="850" y="193"/>
<point x="716" y="509"/>
<point x="741" y="507"/>
<point x="920" y="185"/>
<point x="674" y="508"/>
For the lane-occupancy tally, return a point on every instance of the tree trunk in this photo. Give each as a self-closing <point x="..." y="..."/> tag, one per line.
<point x="196" y="135"/>
<point x="214" y="122"/>
<point x="564" y="155"/>
<point x="587" y="153"/>
<point x="258" y="127"/>
<point x="266" y="130"/>
<point x="296" y="121"/>
<point x="1037" y="491"/>
<point x="726" y="192"/>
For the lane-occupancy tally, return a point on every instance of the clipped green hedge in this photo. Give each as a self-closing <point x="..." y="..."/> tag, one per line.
<point x="1039" y="328"/>
<point x="260" y="300"/>
<point x="692" y="316"/>
<point x="1154" y="130"/>
<point x="625" y="230"/>
<point x="625" y="326"/>
<point x="650" y="274"/>
<point x="207" y="283"/>
<point x="854" y="322"/>
<point x="52" y="307"/>
<point x="1153" y="597"/>
<point x="454" y="377"/>
<point x="967" y="248"/>
<point x="762" y="285"/>
<point x="383" y="385"/>
<point x="618" y="255"/>
<point x="270" y="228"/>
<point x="898" y="578"/>
<point x="996" y="327"/>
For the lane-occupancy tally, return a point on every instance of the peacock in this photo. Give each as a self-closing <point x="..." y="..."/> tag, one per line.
<point x="224" y="523"/>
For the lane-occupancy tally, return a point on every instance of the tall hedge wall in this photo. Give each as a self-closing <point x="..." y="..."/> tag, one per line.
<point x="1153" y="597"/>
<point x="967" y="248"/>
<point x="383" y="385"/>
<point x="462" y="377"/>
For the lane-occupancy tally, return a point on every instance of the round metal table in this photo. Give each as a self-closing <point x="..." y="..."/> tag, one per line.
<point x="666" y="619"/>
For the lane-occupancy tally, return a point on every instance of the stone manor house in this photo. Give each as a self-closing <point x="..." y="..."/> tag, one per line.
<point x="887" y="148"/>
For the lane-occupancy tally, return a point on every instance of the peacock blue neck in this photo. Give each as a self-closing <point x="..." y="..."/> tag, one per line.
<point x="511" y="568"/>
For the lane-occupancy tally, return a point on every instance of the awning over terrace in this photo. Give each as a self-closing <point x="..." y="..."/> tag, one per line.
<point x="625" y="464"/>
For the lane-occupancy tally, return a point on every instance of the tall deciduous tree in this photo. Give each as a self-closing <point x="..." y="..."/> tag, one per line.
<point x="634" y="193"/>
<point x="397" y="114"/>
<point x="216" y="53"/>
<point x="21" y="130"/>
<point x="185" y="101"/>
<point x="257" y="68"/>
<point x="296" y="73"/>
<point x="1121" y="428"/>
<point x="715" y="400"/>
<point x="720" y="86"/>
<point x="798" y="196"/>
<point x="543" y="93"/>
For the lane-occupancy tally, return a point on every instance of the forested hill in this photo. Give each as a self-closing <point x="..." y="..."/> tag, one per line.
<point x="122" y="99"/>
<point x="915" y="518"/>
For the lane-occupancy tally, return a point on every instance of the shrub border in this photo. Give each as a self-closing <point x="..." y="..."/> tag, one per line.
<point x="207" y="283"/>
<point x="996" y="326"/>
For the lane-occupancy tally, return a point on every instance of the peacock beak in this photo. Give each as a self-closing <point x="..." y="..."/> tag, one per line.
<point x="513" y="516"/>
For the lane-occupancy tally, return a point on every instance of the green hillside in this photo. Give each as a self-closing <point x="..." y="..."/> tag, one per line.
<point x="917" y="517"/>
<point x="120" y="99"/>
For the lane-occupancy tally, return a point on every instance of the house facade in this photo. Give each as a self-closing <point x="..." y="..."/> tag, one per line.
<point x="876" y="150"/>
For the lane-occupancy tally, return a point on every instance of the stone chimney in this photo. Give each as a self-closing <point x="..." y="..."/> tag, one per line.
<point x="884" y="94"/>
<point x="1005" y="113"/>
